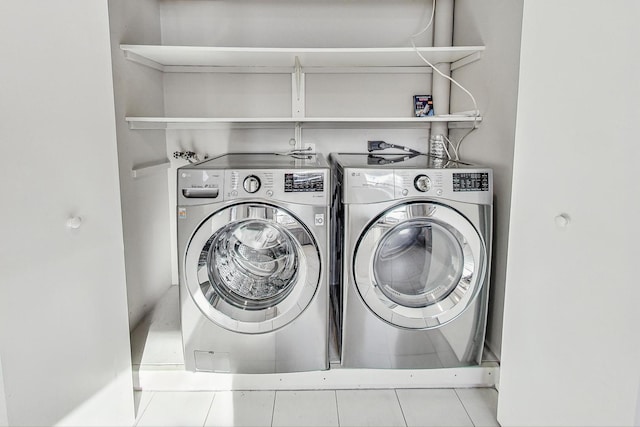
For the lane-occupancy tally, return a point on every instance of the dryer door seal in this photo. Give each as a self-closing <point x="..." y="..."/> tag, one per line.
<point x="252" y="267"/>
<point x="419" y="265"/>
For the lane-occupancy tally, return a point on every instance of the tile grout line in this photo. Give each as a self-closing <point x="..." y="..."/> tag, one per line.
<point x="153" y="394"/>
<point x="209" y="410"/>
<point x="464" y="407"/>
<point x="273" y="408"/>
<point x="395" y="390"/>
<point x="335" y="395"/>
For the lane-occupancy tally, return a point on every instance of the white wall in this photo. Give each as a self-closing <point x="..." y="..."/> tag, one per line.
<point x="637" y="422"/>
<point x="145" y="201"/>
<point x="64" y="339"/>
<point x="293" y="23"/>
<point x="571" y="344"/>
<point x="493" y="81"/>
<point x="4" y="419"/>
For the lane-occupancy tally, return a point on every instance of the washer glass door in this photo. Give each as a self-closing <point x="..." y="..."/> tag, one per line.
<point x="257" y="268"/>
<point x="419" y="265"/>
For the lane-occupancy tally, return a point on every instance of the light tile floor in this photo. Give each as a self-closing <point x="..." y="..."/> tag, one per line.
<point x="388" y="407"/>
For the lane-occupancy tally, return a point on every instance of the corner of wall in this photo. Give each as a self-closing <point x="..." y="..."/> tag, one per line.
<point x="494" y="83"/>
<point x="145" y="203"/>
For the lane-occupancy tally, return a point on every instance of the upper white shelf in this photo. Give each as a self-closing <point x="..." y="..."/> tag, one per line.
<point x="266" y="59"/>
<point x="289" y="122"/>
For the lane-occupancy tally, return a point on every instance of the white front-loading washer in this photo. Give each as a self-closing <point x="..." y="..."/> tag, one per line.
<point x="253" y="250"/>
<point x="415" y="259"/>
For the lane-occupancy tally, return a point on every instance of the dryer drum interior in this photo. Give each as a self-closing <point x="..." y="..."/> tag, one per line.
<point x="417" y="263"/>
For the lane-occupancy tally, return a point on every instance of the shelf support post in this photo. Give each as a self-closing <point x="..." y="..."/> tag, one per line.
<point x="297" y="91"/>
<point x="298" y="136"/>
<point x="440" y="86"/>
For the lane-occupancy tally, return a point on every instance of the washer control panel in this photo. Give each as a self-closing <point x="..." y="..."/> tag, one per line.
<point x="204" y="186"/>
<point x="303" y="182"/>
<point x="296" y="186"/>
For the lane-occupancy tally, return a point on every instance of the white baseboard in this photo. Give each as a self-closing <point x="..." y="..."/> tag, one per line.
<point x="175" y="378"/>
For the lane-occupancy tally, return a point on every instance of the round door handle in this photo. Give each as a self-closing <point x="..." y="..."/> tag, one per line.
<point x="74" y="222"/>
<point x="562" y="220"/>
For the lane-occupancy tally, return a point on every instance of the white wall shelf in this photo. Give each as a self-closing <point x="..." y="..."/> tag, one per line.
<point x="306" y="122"/>
<point x="298" y="62"/>
<point x="313" y="60"/>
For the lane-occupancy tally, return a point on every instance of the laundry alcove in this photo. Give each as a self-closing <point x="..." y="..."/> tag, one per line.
<point x="219" y="76"/>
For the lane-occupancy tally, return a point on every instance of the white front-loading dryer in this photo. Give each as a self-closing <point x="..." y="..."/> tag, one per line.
<point x="415" y="259"/>
<point x="253" y="251"/>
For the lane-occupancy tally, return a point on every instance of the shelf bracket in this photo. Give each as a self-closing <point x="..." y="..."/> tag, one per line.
<point x="297" y="91"/>
<point x="466" y="60"/>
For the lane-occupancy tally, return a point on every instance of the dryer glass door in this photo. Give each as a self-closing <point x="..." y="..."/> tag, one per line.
<point x="419" y="265"/>
<point x="258" y="267"/>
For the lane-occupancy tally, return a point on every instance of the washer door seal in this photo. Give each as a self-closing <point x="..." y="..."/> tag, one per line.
<point x="252" y="267"/>
<point x="419" y="265"/>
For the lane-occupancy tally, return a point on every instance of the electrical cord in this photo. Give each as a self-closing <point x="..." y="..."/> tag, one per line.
<point x="473" y="99"/>
<point x="456" y="147"/>
<point x="453" y="148"/>
<point x="379" y="160"/>
<point x="433" y="13"/>
<point x="476" y="112"/>
<point x="415" y="48"/>
<point x="381" y="145"/>
<point x="446" y="151"/>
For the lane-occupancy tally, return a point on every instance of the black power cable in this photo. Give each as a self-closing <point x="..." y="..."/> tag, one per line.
<point x="381" y="145"/>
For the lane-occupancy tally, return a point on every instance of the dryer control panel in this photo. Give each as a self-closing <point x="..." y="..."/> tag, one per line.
<point x="368" y="185"/>
<point x="468" y="185"/>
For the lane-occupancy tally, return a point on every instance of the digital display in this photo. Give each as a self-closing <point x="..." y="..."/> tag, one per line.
<point x="303" y="182"/>
<point x="474" y="181"/>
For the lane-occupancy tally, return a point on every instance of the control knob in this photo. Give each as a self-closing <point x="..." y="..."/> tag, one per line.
<point x="251" y="184"/>
<point x="422" y="183"/>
